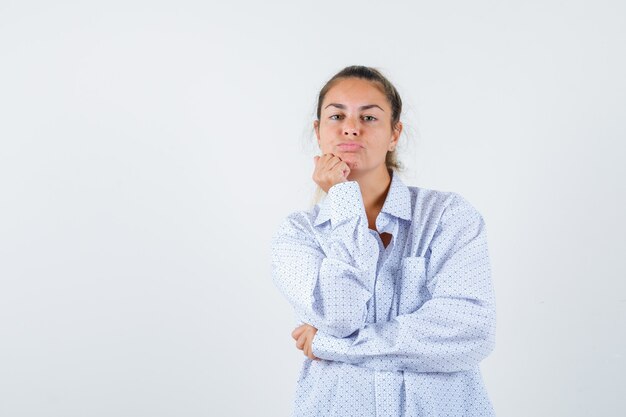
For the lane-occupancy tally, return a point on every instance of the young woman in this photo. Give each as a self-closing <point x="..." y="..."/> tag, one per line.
<point x="391" y="282"/>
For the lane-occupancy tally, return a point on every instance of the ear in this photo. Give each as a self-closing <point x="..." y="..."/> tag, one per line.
<point x="395" y="136"/>
<point x="316" y="127"/>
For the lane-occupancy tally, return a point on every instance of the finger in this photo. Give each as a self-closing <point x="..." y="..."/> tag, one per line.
<point x="310" y="352"/>
<point x="320" y="163"/>
<point x="345" y="169"/>
<point x="307" y="348"/>
<point x="339" y="173"/>
<point x="327" y="169"/>
<point x="329" y="158"/>
<point x="297" y="332"/>
<point x="330" y="167"/>
<point x="301" y="341"/>
<point x="334" y="163"/>
<point x="342" y="166"/>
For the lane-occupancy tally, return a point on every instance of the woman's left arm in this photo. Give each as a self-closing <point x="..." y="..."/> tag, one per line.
<point x="452" y="331"/>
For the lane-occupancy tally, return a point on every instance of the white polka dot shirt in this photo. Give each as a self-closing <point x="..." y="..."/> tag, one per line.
<point x="401" y="329"/>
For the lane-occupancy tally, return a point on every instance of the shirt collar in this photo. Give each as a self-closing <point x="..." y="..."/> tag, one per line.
<point x="397" y="202"/>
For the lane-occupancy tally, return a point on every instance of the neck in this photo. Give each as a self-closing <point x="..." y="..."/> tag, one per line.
<point x="374" y="186"/>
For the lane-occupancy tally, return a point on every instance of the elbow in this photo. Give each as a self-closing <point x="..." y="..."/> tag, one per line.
<point x="486" y="338"/>
<point x="470" y="356"/>
<point x="487" y="346"/>
<point x="480" y="340"/>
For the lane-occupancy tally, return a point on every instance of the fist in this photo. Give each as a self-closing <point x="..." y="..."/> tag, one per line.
<point x="329" y="170"/>
<point x="303" y="335"/>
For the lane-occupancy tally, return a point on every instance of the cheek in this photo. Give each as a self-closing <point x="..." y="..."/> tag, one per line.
<point x="324" y="147"/>
<point x="324" y="143"/>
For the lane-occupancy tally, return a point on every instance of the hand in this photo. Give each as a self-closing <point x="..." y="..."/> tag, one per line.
<point x="303" y="335"/>
<point x="330" y="170"/>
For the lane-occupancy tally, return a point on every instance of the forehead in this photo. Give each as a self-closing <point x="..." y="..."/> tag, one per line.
<point x="356" y="92"/>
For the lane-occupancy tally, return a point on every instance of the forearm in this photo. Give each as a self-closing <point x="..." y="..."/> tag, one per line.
<point x="442" y="336"/>
<point x="328" y="288"/>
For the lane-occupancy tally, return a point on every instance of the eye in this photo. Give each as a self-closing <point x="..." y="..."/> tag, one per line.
<point x="335" y="117"/>
<point x="369" y="118"/>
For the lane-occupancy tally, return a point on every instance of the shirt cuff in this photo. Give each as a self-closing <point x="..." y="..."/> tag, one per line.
<point x="329" y="347"/>
<point x="346" y="201"/>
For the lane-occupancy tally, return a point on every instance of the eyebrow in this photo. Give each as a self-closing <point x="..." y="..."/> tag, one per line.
<point x="341" y="106"/>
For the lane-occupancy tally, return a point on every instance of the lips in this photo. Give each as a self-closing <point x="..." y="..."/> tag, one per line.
<point x="349" y="146"/>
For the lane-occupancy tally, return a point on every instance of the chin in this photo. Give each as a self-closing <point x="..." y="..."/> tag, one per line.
<point x="349" y="159"/>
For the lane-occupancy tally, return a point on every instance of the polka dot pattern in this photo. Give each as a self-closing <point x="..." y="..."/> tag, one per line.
<point x="401" y="329"/>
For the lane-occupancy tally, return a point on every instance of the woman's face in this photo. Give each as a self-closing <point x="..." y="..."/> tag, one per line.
<point x="355" y="124"/>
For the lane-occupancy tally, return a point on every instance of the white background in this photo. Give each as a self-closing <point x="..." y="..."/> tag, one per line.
<point x="149" y="150"/>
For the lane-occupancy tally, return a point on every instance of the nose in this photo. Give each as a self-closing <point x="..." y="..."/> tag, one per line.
<point x="350" y="129"/>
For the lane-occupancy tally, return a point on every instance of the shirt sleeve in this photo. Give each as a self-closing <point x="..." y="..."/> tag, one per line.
<point x="328" y="290"/>
<point x="454" y="329"/>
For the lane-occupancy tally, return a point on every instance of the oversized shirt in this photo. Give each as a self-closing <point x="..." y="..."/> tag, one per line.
<point x="401" y="329"/>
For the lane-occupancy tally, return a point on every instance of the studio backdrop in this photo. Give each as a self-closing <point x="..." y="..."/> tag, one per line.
<point x="149" y="150"/>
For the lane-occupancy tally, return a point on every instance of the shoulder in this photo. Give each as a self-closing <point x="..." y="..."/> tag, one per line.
<point x="442" y="206"/>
